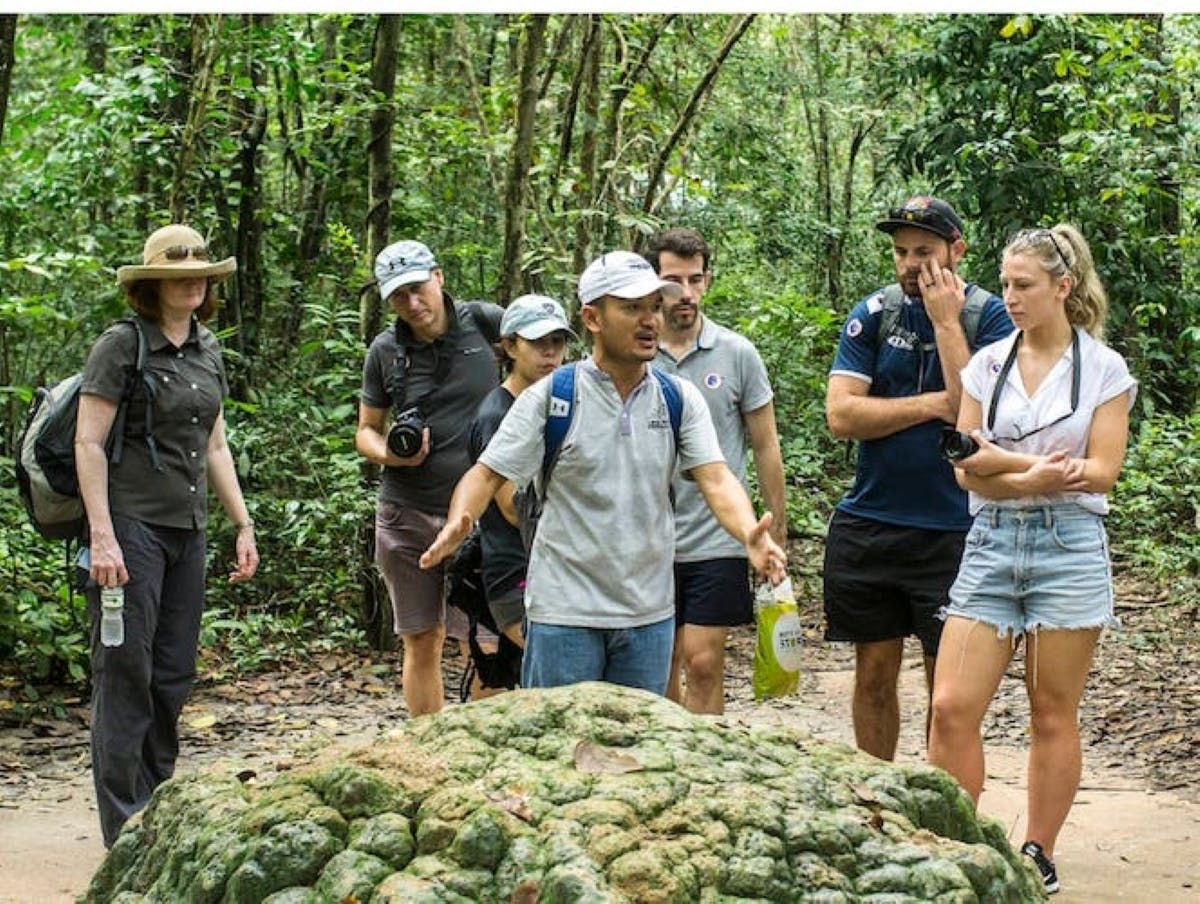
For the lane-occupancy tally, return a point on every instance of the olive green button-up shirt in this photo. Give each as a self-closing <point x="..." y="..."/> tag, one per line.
<point x="188" y="384"/>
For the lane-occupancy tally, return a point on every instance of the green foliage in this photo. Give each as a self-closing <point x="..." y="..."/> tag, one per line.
<point x="1156" y="504"/>
<point x="43" y="627"/>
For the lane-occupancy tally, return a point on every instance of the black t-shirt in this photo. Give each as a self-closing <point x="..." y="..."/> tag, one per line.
<point x="448" y="377"/>
<point x="504" y="560"/>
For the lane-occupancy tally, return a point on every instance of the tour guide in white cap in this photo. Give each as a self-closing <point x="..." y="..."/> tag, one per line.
<point x="600" y="592"/>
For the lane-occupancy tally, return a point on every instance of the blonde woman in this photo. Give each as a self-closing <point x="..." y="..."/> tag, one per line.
<point x="1048" y="408"/>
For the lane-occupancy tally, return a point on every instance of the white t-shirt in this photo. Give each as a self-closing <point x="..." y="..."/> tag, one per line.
<point x="605" y="544"/>
<point x="1103" y="375"/>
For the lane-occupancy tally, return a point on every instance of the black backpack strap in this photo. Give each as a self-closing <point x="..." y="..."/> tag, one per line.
<point x="136" y="378"/>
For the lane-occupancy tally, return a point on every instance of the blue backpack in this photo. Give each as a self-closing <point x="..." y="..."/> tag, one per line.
<point x="560" y="408"/>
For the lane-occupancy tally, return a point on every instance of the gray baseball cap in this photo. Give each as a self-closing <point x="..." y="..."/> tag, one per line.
<point x="623" y="274"/>
<point x="534" y="316"/>
<point x="402" y="263"/>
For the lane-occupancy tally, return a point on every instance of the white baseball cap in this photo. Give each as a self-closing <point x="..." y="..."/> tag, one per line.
<point x="623" y="274"/>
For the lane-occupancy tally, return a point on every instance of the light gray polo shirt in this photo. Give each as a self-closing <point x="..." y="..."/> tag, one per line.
<point x="732" y="379"/>
<point x="603" y="553"/>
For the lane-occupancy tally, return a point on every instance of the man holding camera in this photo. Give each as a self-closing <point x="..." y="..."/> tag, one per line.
<point x="423" y="379"/>
<point x="599" y="594"/>
<point x="895" y="540"/>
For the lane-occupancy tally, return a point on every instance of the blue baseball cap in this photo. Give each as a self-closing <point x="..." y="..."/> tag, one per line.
<point x="534" y="316"/>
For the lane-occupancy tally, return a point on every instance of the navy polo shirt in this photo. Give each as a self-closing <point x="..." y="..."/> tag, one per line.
<point x="902" y="479"/>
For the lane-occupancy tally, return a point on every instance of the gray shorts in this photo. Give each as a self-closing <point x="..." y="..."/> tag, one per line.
<point x="401" y="535"/>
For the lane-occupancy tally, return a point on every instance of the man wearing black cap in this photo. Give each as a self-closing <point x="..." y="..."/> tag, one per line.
<point x="895" y="540"/>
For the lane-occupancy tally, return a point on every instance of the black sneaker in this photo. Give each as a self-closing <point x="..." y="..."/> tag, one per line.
<point x="1045" y="866"/>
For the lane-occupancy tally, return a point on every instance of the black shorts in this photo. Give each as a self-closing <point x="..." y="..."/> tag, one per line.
<point x="884" y="582"/>
<point x="714" y="593"/>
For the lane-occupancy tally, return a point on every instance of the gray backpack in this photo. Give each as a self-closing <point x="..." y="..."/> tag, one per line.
<point x="893" y="301"/>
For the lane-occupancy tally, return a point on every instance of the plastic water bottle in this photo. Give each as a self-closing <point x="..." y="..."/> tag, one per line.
<point x="112" y="616"/>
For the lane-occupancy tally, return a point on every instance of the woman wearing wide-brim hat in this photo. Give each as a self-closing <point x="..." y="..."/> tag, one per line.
<point x="147" y="511"/>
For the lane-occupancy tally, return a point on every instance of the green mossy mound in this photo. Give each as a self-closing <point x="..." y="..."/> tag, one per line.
<point x="587" y="793"/>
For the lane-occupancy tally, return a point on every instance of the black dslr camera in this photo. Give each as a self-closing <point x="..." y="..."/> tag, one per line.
<point x="956" y="445"/>
<point x="404" y="439"/>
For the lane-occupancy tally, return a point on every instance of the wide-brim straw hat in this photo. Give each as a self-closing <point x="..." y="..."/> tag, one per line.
<point x="170" y="253"/>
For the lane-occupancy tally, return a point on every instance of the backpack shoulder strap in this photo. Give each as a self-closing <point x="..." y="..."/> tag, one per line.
<point x="972" y="311"/>
<point x="893" y="300"/>
<point x="673" y="396"/>
<point x="135" y="379"/>
<point x="560" y="408"/>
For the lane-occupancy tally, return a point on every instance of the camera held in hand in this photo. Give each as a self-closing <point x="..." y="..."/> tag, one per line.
<point x="405" y="438"/>
<point x="956" y="445"/>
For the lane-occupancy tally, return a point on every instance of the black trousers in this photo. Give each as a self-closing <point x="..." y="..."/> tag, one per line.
<point x="140" y="687"/>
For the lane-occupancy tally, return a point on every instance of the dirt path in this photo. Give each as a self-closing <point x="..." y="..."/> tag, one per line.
<point x="1123" y="842"/>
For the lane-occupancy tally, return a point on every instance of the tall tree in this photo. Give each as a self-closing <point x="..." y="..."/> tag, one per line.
<point x="379" y="159"/>
<point x="250" y="112"/>
<point x="8" y="33"/>
<point x="517" y="187"/>
<point x="204" y="48"/>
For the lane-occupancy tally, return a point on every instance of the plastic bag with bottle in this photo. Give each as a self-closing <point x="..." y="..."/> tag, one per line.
<point x="778" y="646"/>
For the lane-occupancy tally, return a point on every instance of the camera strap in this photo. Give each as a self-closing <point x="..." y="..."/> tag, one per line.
<point x="1002" y="379"/>
<point x="397" y="384"/>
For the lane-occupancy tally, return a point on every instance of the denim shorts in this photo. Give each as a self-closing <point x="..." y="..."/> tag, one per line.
<point x="556" y="655"/>
<point x="1030" y="568"/>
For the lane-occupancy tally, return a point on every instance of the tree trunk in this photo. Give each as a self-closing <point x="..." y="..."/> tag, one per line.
<point x="8" y="34"/>
<point x="587" y="184"/>
<point x="95" y="42"/>
<point x="517" y="190"/>
<point x="374" y="604"/>
<point x="629" y="72"/>
<point x="379" y="162"/>
<point x="462" y="50"/>
<point x="650" y="203"/>
<point x="571" y="107"/>
<point x="251" y="112"/>
<point x="205" y="33"/>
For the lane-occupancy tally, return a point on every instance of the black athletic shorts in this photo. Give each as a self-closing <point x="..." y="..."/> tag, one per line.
<point x="884" y="582"/>
<point x="714" y="593"/>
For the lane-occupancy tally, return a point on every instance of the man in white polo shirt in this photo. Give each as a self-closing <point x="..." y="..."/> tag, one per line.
<point x="600" y="590"/>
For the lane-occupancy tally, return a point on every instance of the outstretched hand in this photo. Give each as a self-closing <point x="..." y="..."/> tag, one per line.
<point x="448" y="540"/>
<point x="766" y="556"/>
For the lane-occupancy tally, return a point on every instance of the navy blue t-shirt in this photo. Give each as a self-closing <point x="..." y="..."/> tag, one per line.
<point x="504" y="557"/>
<point x="902" y="479"/>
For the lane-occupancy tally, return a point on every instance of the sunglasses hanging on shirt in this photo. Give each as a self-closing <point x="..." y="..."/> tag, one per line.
<point x="1002" y="379"/>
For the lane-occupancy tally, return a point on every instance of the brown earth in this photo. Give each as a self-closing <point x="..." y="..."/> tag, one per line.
<point x="1133" y="835"/>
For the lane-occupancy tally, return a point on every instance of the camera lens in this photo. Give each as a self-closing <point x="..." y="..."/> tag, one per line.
<point x="955" y="445"/>
<point x="405" y="438"/>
